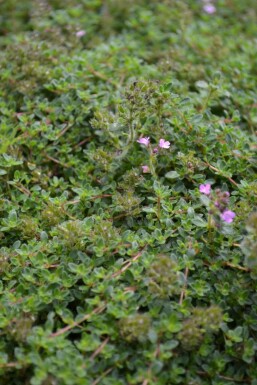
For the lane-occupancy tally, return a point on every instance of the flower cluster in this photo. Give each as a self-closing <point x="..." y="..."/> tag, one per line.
<point x="145" y="169"/>
<point x="162" y="143"/>
<point x="205" y="189"/>
<point x="145" y="141"/>
<point x="80" y="33"/>
<point x="209" y="7"/>
<point x="220" y="200"/>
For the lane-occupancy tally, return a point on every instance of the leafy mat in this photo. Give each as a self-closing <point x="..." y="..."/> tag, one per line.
<point x="127" y="139"/>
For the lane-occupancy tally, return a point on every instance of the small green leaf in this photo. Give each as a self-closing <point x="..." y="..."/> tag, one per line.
<point x="199" y="222"/>
<point x="172" y="175"/>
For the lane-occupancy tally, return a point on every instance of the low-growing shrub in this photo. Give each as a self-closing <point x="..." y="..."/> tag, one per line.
<point x="128" y="192"/>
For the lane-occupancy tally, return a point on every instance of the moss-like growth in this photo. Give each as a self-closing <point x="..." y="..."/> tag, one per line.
<point x="128" y="173"/>
<point x="135" y="327"/>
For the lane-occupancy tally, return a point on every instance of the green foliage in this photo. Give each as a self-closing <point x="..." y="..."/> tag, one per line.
<point x="249" y="245"/>
<point x="135" y="327"/>
<point x="162" y="278"/>
<point x="201" y="322"/>
<point x="112" y="275"/>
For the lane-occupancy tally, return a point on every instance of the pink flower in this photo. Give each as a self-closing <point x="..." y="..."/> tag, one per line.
<point x="155" y="150"/>
<point x="228" y="216"/>
<point x="80" y="33"/>
<point x="144" y="141"/>
<point x="145" y="169"/>
<point x="205" y="189"/>
<point x="209" y="8"/>
<point x="164" y="144"/>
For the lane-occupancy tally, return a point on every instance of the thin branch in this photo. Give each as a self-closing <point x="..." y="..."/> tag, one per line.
<point x="67" y="328"/>
<point x="82" y="142"/>
<point x="220" y="172"/>
<point x="102" y="376"/>
<point x="55" y="160"/>
<point x="102" y="76"/>
<point x="236" y="266"/>
<point x="131" y="289"/>
<point x="229" y="264"/>
<point x="10" y="364"/>
<point x="101" y="196"/>
<point x="100" y="308"/>
<point x="234" y="380"/>
<point x="99" y="349"/>
<point x="244" y="380"/>
<point x="156" y="354"/>
<point x="117" y="250"/>
<point x="51" y="266"/>
<point x="128" y="263"/>
<point x="182" y="116"/>
<point x="21" y="188"/>
<point x="76" y="201"/>
<point x="183" y="292"/>
<point x="64" y="130"/>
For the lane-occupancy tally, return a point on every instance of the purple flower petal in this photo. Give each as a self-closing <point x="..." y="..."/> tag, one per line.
<point x="164" y="144"/>
<point x="205" y="188"/>
<point x="209" y="8"/>
<point x="145" y="141"/>
<point x="80" y="33"/>
<point x="145" y="169"/>
<point x="228" y="216"/>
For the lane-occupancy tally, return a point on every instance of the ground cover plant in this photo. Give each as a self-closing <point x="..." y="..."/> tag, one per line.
<point x="128" y="192"/>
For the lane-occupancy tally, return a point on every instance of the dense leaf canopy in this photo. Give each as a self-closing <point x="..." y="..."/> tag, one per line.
<point x="115" y="267"/>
